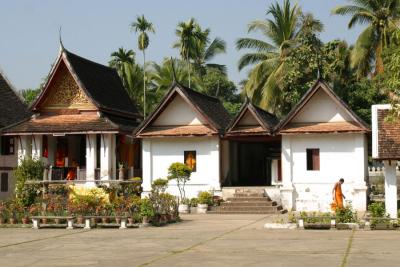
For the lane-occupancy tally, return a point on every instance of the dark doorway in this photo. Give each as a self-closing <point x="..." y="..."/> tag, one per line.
<point x="250" y="163"/>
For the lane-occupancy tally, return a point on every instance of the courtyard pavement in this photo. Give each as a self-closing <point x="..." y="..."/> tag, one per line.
<point x="199" y="240"/>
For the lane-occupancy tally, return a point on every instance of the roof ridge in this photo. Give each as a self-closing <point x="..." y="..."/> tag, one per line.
<point x="67" y="52"/>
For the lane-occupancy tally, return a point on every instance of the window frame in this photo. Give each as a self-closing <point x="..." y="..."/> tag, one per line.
<point x="4" y="177"/>
<point x="313" y="159"/>
<point x="7" y="145"/>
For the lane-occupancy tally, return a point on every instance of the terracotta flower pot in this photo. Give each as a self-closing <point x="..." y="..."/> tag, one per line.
<point x="118" y="220"/>
<point x="163" y="218"/>
<point x="145" y="220"/>
<point x="25" y="220"/>
<point x="2" y="220"/>
<point x="130" y="221"/>
<point x="105" y="220"/>
<point x="57" y="221"/>
<point x="44" y="221"/>
<point x="93" y="221"/>
<point x="79" y="220"/>
<point x="12" y="221"/>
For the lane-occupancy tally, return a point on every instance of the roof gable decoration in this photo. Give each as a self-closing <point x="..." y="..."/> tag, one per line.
<point x="192" y="98"/>
<point x="250" y="113"/>
<point x="100" y="84"/>
<point x="344" y="112"/>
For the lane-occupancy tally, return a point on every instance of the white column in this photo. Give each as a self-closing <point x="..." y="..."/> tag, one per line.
<point x="52" y="147"/>
<point x="146" y="165"/>
<point x="106" y="157"/>
<point x="113" y="156"/>
<point x="37" y="146"/>
<point x="391" y="188"/>
<point x="274" y="171"/>
<point x="287" y="189"/>
<point x="90" y="158"/>
<point x="24" y="147"/>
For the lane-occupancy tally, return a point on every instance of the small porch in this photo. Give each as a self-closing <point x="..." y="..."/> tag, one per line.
<point x="82" y="158"/>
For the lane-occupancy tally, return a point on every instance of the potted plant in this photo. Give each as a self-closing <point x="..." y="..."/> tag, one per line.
<point x="346" y="218"/>
<point x="3" y="212"/>
<point x="380" y="219"/>
<point x="181" y="173"/>
<point x="146" y="211"/>
<point x="317" y="221"/>
<point x="205" y="199"/>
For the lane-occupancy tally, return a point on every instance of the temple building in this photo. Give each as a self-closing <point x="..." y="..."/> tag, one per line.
<point x="12" y="110"/>
<point x="295" y="161"/>
<point x="82" y="124"/>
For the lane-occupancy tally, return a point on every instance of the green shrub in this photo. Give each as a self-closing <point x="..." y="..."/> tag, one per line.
<point x="29" y="170"/>
<point x="346" y="215"/>
<point x="193" y="202"/>
<point x="159" y="185"/>
<point x="315" y="217"/>
<point x="146" y="208"/>
<point x="181" y="173"/>
<point x="205" y="198"/>
<point x="377" y="210"/>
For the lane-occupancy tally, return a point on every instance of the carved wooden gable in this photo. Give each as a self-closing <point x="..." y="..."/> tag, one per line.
<point x="64" y="93"/>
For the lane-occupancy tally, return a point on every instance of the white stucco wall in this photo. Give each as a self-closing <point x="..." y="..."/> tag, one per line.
<point x="321" y="108"/>
<point x="341" y="156"/>
<point x="178" y="112"/>
<point x="158" y="154"/>
<point x="247" y="120"/>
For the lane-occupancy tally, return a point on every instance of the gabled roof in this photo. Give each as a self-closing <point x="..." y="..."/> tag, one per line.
<point x="209" y="108"/>
<point x="266" y="120"/>
<point x="357" y="125"/>
<point x="100" y="83"/>
<point x="12" y="108"/>
<point x="385" y="134"/>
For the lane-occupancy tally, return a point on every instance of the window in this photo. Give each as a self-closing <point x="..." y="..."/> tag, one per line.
<point x="4" y="182"/>
<point x="313" y="159"/>
<point x="190" y="159"/>
<point x="7" y="145"/>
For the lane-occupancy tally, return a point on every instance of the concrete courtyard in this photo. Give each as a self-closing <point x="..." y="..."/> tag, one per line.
<point x="200" y="240"/>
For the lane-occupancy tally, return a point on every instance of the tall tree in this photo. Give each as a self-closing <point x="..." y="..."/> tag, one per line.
<point x="130" y="73"/>
<point x="380" y="17"/>
<point x="189" y="36"/>
<point x="143" y="26"/>
<point x="269" y="55"/>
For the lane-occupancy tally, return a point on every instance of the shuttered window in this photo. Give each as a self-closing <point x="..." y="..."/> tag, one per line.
<point x="7" y="145"/>
<point x="313" y="159"/>
<point x="4" y="182"/>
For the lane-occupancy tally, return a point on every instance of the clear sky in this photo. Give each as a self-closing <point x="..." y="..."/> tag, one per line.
<point x="95" y="28"/>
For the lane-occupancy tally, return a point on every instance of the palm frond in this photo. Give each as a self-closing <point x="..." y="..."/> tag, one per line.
<point x="217" y="46"/>
<point x="251" y="43"/>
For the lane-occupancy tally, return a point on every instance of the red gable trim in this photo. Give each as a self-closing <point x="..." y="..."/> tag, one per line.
<point x="319" y="84"/>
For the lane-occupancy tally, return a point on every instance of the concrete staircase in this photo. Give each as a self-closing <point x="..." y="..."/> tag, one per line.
<point x="248" y="201"/>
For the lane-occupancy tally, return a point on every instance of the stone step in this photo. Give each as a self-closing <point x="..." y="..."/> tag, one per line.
<point x="247" y="208"/>
<point x="248" y="195"/>
<point x="240" y="212"/>
<point x="249" y="203"/>
<point x="241" y="199"/>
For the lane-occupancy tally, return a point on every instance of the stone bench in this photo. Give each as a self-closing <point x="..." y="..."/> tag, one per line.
<point x="36" y="220"/>
<point x="122" y="224"/>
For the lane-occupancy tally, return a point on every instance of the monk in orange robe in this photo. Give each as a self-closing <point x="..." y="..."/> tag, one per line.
<point x="338" y="195"/>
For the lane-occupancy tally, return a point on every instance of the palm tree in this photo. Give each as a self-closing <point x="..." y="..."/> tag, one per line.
<point x="189" y="36"/>
<point x="206" y="50"/>
<point x="130" y="73"/>
<point x="281" y="30"/>
<point x="381" y="17"/>
<point x="143" y="26"/>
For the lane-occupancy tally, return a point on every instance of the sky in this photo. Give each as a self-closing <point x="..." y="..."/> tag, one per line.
<point x="93" y="29"/>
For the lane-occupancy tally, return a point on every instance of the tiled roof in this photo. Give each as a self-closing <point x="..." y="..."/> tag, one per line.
<point x="210" y="108"/>
<point x="192" y="130"/>
<point x="102" y="84"/>
<point x="388" y="136"/>
<point x="66" y="124"/>
<point x="12" y="109"/>
<point x="320" y="85"/>
<point x="267" y="121"/>
<point x="321" y="127"/>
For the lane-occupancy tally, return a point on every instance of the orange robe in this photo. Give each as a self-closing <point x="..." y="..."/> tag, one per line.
<point x="338" y="202"/>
